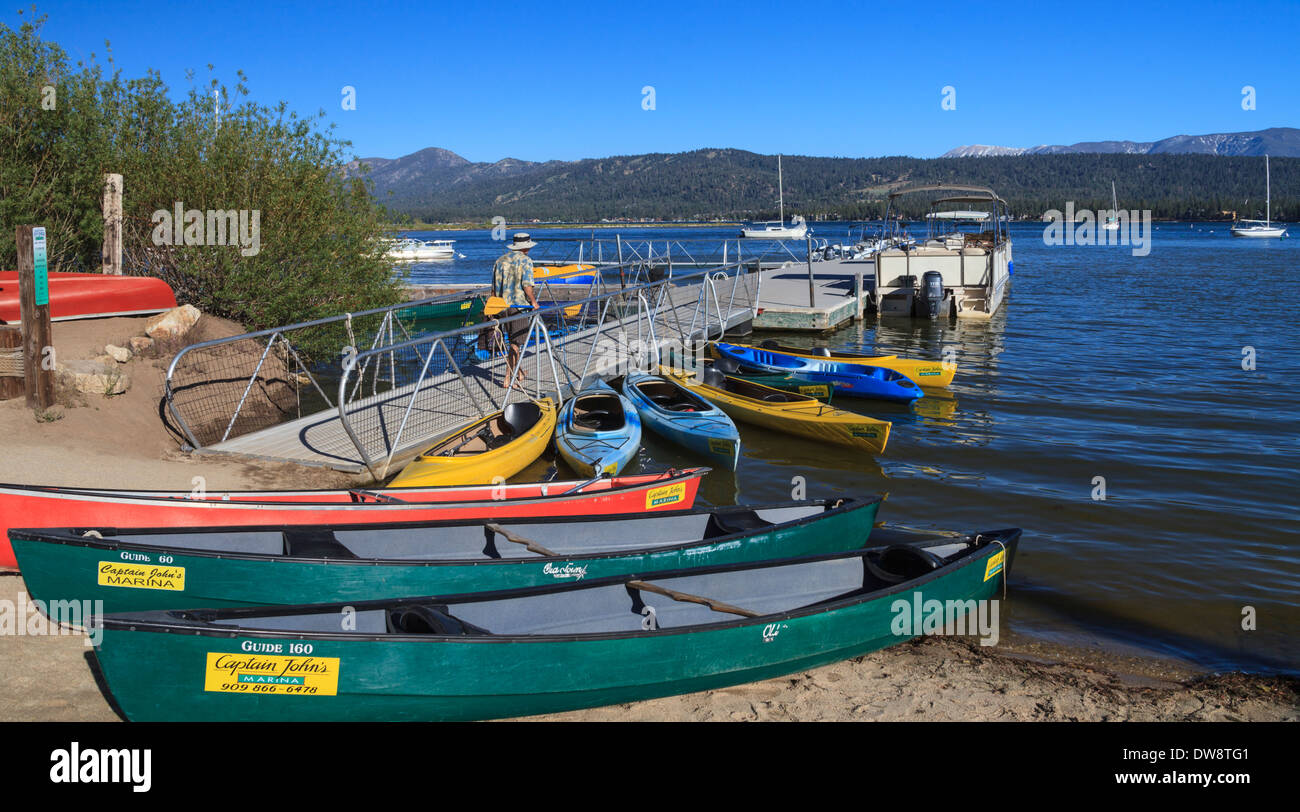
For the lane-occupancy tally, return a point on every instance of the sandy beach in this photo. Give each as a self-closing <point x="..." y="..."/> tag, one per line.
<point x="122" y="442"/>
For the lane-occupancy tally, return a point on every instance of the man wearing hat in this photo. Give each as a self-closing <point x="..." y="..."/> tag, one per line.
<point x="512" y="281"/>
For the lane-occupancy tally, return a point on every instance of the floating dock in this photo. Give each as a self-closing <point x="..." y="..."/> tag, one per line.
<point x="784" y="298"/>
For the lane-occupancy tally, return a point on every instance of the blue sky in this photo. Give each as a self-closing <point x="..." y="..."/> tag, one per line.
<point x="537" y="81"/>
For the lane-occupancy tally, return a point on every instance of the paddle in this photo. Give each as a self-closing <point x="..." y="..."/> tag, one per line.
<point x="378" y="497"/>
<point x="684" y="597"/>
<point x="581" y="485"/>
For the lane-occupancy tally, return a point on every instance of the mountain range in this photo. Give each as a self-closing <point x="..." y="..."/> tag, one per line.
<point x="437" y="185"/>
<point x="1278" y="142"/>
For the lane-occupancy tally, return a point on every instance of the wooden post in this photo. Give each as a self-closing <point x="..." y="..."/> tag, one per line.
<point x="10" y="386"/>
<point x="111" y="258"/>
<point x="34" y="304"/>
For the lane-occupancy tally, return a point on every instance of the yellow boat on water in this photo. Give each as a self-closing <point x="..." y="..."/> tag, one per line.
<point x="787" y="412"/>
<point x="927" y="374"/>
<point x="573" y="273"/>
<point x="500" y="445"/>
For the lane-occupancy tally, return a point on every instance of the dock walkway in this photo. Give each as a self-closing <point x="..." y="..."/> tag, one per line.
<point x="401" y="421"/>
<point x="783" y="303"/>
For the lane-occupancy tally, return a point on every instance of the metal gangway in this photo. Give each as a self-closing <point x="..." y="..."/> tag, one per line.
<point x="364" y="392"/>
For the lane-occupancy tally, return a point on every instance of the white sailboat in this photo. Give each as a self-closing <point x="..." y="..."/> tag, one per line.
<point x="778" y="230"/>
<point x="1261" y="228"/>
<point x="1112" y="221"/>
<point x="411" y="250"/>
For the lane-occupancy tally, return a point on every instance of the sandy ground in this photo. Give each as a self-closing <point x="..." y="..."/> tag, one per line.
<point x="122" y="442"/>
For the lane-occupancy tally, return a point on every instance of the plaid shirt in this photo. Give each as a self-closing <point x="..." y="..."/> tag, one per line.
<point x="509" y="276"/>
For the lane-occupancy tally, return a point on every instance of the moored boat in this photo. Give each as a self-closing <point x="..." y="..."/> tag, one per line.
<point x="525" y="652"/>
<point x="170" y="568"/>
<point x="598" y="431"/>
<point x="500" y="445"/>
<point x="926" y="374"/>
<point x="860" y="381"/>
<point x="787" y="412"/>
<point x="677" y="415"/>
<point x="31" y="505"/>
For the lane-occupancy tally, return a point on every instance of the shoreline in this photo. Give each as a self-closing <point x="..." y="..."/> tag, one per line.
<point x="120" y="442"/>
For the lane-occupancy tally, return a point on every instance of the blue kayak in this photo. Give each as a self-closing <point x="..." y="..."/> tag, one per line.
<point x="598" y="431"/>
<point x="682" y="417"/>
<point x="847" y="379"/>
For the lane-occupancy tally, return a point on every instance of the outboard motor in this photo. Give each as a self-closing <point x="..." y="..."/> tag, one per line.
<point x="931" y="294"/>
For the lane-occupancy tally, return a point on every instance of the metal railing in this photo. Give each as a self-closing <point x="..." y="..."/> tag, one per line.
<point x="452" y="376"/>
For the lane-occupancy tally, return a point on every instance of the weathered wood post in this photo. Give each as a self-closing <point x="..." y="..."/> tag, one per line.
<point x="111" y="258"/>
<point x="34" y="304"/>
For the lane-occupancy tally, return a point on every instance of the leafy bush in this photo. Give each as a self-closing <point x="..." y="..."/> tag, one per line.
<point x="318" y="254"/>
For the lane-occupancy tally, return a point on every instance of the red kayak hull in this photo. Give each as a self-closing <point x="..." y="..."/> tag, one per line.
<point x="37" y="506"/>
<point x="90" y="295"/>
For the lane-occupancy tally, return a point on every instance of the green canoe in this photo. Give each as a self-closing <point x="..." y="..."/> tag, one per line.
<point x="173" y="568"/>
<point x="443" y="312"/>
<point x="524" y="652"/>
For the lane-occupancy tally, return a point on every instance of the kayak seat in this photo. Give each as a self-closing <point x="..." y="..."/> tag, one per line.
<point x="430" y="620"/>
<point x="314" y="542"/>
<point x="738" y="521"/>
<point x="726" y="366"/>
<point x="520" y="417"/>
<point x="901" y="562"/>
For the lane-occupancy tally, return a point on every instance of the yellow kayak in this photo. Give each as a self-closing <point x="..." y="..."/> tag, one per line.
<point x="928" y="374"/>
<point x="500" y="445"/>
<point x="570" y="273"/>
<point x="787" y="412"/>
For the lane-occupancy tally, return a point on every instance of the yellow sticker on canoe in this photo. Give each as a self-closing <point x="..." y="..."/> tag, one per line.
<point x="141" y="576"/>
<point x="666" y="495"/>
<point x="995" y="564"/>
<point x="815" y="391"/>
<point x="863" y="431"/>
<point x="464" y="305"/>
<point x="271" y="674"/>
<point x="722" y="447"/>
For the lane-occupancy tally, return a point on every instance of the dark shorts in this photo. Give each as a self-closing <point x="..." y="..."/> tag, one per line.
<point x="517" y="327"/>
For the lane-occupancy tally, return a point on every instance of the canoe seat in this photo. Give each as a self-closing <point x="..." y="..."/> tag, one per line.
<point x="727" y="366"/>
<point x="430" y="620"/>
<point x="520" y="417"/>
<point x="314" y="542"/>
<point x="901" y="562"/>
<point x="738" y="521"/>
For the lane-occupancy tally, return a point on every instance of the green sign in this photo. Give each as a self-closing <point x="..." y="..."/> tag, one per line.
<point x="42" y="268"/>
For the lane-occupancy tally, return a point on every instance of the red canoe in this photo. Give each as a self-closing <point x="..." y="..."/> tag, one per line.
<point x="38" y="506"/>
<point x="90" y="295"/>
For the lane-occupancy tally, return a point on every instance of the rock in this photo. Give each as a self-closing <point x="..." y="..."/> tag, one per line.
<point x="49" y="415"/>
<point x="119" y="354"/>
<point x="173" y="323"/>
<point x="95" y="377"/>
<point x="140" y="343"/>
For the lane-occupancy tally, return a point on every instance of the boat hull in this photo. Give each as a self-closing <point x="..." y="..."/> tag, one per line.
<point x="595" y="453"/>
<point x="927" y="374"/>
<point x="807" y="417"/>
<point x="875" y="383"/>
<point x="27" y="506"/>
<point x="157" y="676"/>
<point x="709" y="432"/>
<point x="486" y="467"/>
<point x="90" y="295"/>
<point x="128" y="575"/>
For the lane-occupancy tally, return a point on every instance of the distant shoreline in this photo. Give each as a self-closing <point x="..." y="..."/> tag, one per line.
<point x="541" y="226"/>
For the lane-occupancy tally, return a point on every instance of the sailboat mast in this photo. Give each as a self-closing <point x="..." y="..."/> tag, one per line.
<point x="1268" y="195"/>
<point x="780" y="189"/>
<point x="1114" y="201"/>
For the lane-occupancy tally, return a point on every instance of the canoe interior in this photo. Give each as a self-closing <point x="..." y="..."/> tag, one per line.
<point x="749" y="389"/>
<point x="597" y="412"/>
<point x="670" y="397"/>
<point x="620" y="607"/>
<point x="489" y="434"/>
<point x="458" y="541"/>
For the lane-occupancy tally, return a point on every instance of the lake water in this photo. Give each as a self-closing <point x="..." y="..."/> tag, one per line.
<point x="1099" y="364"/>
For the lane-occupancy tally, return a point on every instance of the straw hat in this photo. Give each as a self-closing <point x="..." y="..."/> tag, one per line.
<point x="521" y="241"/>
